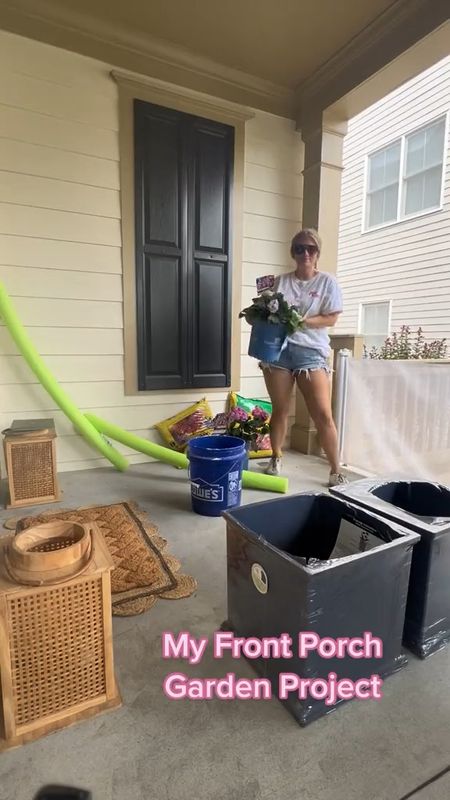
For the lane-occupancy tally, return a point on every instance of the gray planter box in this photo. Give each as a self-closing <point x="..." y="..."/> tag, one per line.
<point x="424" y="508"/>
<point x="274" y="587"/>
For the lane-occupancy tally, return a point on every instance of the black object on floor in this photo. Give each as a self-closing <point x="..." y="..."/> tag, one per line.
<point x="281" y="579"/>
<point x="426" y="783"/>
<point x="424" y="508"/>
<point x="62" y="793"/>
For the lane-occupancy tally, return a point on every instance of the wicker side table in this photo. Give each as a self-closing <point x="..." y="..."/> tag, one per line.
<point x="30" y="456"/>
<point x="56" y="649"/>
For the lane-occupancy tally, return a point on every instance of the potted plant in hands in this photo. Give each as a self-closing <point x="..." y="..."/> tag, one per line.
<point x="272" y="319"/>
<point x="249" y="427"/>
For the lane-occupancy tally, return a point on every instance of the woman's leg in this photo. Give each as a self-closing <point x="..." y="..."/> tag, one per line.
<point x="315" y="388"/>
<point x="279" y="384"/>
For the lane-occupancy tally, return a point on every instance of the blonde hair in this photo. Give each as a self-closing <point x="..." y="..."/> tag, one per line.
<point x="312" y="233"/>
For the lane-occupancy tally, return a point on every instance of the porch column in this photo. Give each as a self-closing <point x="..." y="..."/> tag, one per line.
<point x="323" y="138"/>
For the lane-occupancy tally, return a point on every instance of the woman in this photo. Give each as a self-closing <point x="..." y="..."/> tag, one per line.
<point x="304" y="359"/>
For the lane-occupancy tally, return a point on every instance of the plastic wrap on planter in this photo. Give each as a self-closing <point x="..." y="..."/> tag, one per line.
<point x="266" y="340"/>
<point x="282" y="578"/>
<point x="425" y="508"/>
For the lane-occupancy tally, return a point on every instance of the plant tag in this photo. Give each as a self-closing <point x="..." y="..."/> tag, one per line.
<point x="353" y="539"/>
<point x="265" y="282"/>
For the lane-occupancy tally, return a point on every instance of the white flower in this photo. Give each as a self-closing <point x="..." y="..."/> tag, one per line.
<point x="273" y="306"/>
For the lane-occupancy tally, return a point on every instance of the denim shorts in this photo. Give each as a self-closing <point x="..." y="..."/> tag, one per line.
<point x="297" y="359"/>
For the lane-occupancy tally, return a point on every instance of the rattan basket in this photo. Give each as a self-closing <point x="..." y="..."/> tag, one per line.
<point x="30" y="457"/>
<point x="56" y="655"/>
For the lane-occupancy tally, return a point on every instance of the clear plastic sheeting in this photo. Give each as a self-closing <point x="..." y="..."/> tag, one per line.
<point x="397" y="418"/>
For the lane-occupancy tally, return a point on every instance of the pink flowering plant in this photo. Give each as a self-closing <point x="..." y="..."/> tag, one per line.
<point x="250" y="427"/>
<point x="273" y="307"/>
<point x="400" y="346"/>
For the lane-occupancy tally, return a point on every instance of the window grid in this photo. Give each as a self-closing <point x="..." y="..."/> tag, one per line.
<point x="374" y="322"/>
<point x="404" y="176"/>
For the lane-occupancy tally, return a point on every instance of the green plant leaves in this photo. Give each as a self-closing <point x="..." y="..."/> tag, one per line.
<point x="273" y="307"/>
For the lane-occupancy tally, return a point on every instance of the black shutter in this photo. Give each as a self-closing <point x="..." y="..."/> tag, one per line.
<point x="183" y="169"/>
<point x="213" y="154"/>
<point x="161" y="253"/>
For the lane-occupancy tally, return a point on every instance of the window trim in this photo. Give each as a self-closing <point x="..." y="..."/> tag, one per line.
<point x="189" y="101"/>
<point x="401" y="181"/>
<point x="373" y="303"/>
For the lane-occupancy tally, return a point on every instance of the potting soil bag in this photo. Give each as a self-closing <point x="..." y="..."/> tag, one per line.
<point x="196" y="420"/>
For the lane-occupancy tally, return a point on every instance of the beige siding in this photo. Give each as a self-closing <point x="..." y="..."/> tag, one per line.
<point x="272" y="214"/>
<point x="60" y="240"/>
<point x="407" y="262"/>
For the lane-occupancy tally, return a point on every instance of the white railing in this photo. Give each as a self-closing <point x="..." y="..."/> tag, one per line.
<point x="393" y="417"/>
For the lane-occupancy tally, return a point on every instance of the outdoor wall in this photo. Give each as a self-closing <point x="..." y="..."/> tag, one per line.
<point x="272" y="215"/>
<point x="60" y="240"/>
<point x="406" y="262"/>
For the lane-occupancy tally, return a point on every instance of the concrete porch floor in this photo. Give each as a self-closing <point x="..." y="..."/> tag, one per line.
<point x="153" y="748"/>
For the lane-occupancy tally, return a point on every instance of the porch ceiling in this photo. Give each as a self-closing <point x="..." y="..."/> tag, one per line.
<point x="291" y="57"/>
<point x="282" y="42"/>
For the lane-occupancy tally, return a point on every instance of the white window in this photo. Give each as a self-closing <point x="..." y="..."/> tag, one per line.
<point x="374" y="323"/>
<point x="405" y="178"/>
<point x="382" y="190"/>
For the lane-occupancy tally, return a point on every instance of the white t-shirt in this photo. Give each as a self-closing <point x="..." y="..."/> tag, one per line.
<point x="320" y="295"/>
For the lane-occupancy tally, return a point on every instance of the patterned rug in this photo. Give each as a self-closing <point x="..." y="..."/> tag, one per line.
<point x="143" y="570"/>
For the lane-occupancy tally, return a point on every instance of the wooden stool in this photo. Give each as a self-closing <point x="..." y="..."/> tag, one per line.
<point x="30" y="457"/>
<point x="56" y="654"/>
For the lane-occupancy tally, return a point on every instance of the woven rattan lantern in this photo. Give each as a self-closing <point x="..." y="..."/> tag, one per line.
<point x="30" y="457"/>
<point x="56" y="655"/>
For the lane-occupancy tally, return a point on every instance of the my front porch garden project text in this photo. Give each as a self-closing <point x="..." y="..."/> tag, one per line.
<point x="179" y="686"/>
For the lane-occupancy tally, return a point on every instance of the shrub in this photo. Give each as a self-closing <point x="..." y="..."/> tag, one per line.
<point x="403" y="346"/>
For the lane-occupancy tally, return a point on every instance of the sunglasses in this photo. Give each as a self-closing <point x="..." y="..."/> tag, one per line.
<point x="301" y="249"/>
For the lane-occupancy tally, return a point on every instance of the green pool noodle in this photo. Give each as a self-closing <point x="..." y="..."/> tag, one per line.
<point x="46" y="379"/>
<point x="267" y="483"/>
<point x="250" y="480"/>
<point x="137" y="443"/>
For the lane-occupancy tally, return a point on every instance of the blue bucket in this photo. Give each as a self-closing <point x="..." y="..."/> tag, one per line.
<point x="266" y="340"/>
<point x="215" y="471"/>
